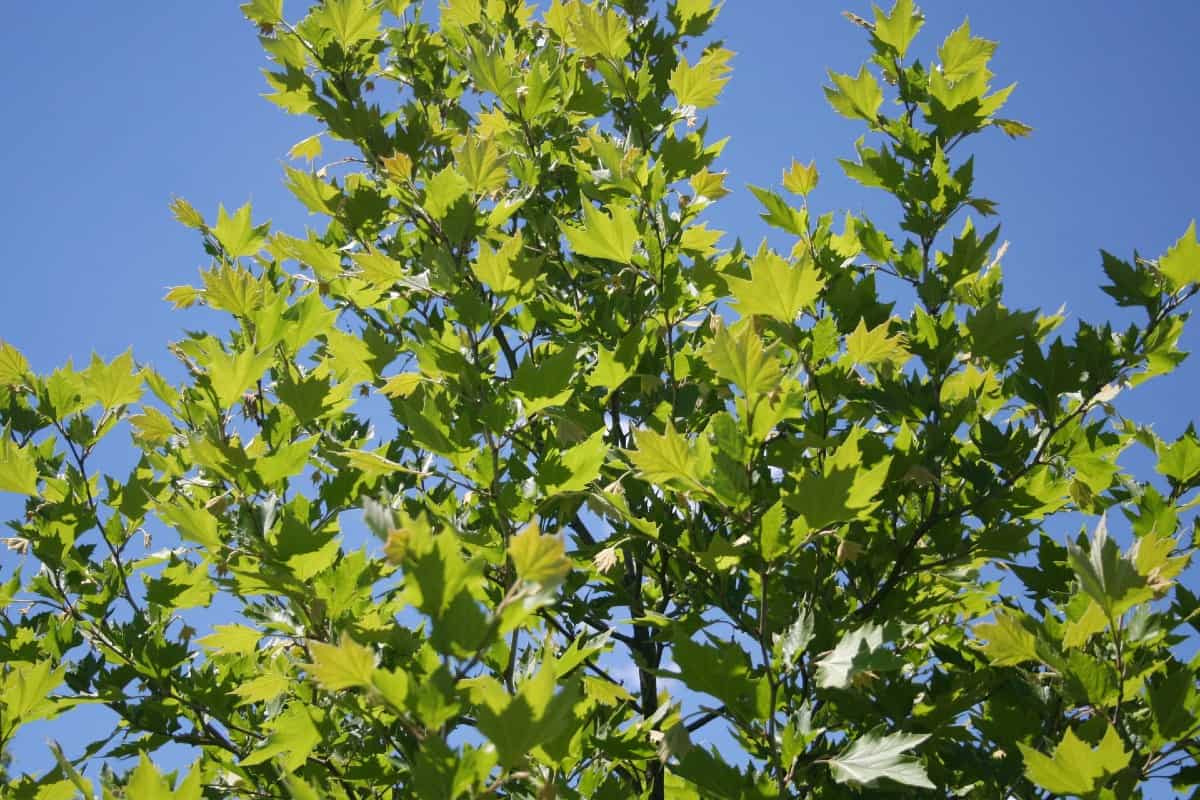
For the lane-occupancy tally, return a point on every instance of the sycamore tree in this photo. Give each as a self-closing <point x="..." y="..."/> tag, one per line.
<point x="658" y="516"/>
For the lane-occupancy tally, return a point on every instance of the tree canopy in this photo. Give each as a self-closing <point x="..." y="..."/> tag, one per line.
<point x="652" y="513"/>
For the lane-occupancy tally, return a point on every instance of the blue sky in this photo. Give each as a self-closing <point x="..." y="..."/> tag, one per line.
<point x="113" y="108"/>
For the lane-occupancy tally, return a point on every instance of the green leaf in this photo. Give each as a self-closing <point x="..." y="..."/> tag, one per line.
<point x="231" y="639"/>
<point x="667" y="457"/>
<point x="516" y="725"/>
<point x="180" y="586"/>
<point x="324" y="260"/>
<point x="1180" y="460"/>
<point x="1173" y="703"/>
<point x="262" y="688"/>
<point x="1181" y="263"/>
<point x="1089" y="680"/>
<point x="859" y="651"/>
<point x="580" y="465"/>
<point x="237" y="235"/>
<point x="1110" y="578"/>
<point x="801" y="178"/>
<point x="346" y="665"/>
<point x="185" y="213"/>
<point x="870" y="346"/>
<point x="1075" y="768"/>
<point x="146" y="782"/>
<point x="264" y="12"/>
<point x="614" y="367"/>
<point x="351" y="21"/>
<point x="708" y="185"/>
<point x="741" y="359"/>
<point x="482" y="164"/>
<point x="539" y="558"/>
<point x="546" y="381"/>
<point x="443" y="191"/>
<point x="491" y="73"/>
<point x="779" y="214"/>
<point x="898" y="28"/>
<point x="495" y="267"/>
<point x="724" y="674"/>
<point x="605" y="692"/>
<point x="857" y="97"/>
<point x="194" y="523"/>
<point x="392" y="685"/>
<point x="14" y="369"/>
<point x="1092" y="621"/>
<point x="27" y="695"/>
<point x="18" y="467"/>
<point x="791" y="644"/>
<point x="307" y="149"/>
<point x="600" y="31"/>
<point x="693" y="17"/>
<point x="700" y="85"/>
<point x="776" y="288"/>
<point x="287" y="461"/>
<point x="461" y="12"/>
<point x="963" y="55"/>
<point x="293" y="736"/>
<point x="610" y="236"/>
<point x="232" y="374"/>
<point x="317" y="196"/>
<point x="844" y="490"/>
<point x="81" y="783"/>
<point x="231" y="289"/>
<point x="1008" y="643"/>
<point x="113" y="384"/>
<point x="873" y="757"/>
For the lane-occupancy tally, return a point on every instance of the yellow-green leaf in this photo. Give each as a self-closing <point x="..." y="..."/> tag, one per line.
<point x="237" y="235"/>
<point x="261" y="688"/>
<point x="482" y="164"/>
<point x="401" y="385"/>
<point x="869" y="346"/>
<point x="13" y="366"/>
<point x="610" y="236"/>
<point x="801" y="178"/>
<point x="351" y="21"/>
<point x="666" y="457"/>
<point x="599" y="31"/>
<point x="1075" y="768"/>
<point x="146" y="783"/>
<point x="443" y="191"/>
<point x="346" y="665"/>
<point x="232" y="374"/>
<point x="708" y="186"/>
<point x="1181" y="263"/>
<point x="739" y="357"/>
<point x="231" y="289"/>
<point x="114" y="384"/>
<point x="186" y="213"/>
<point x="232" y="639"/>
<point x="700" y="85"/>
<point x="856" y="97"/>
<point x="1008" y="643"/>
<point x="495" y="266"/>
<point x="963" y="55"/>
<point x="578" y="466"/>
<point x="898" y="28"/>
<point x="776" y="288"/>
<point x="539" y="558"/>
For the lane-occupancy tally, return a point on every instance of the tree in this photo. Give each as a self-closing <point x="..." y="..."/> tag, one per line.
<point x="633" y="490"/>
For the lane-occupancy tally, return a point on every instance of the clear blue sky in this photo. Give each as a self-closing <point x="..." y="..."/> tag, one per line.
<point x="112" y="108"/>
